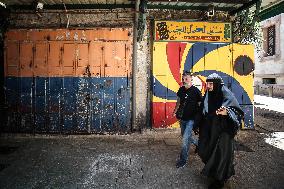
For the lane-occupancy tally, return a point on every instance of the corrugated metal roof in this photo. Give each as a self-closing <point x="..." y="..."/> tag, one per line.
<point x="154" y="2"/>
<point x="54" y="2"/>
<point x="223" y="5"/>
<point x="226" y="5"/>
<point x="269" y="3"/>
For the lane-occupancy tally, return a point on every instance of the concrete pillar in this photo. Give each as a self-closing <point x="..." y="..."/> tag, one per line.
<point x="270" y="91"/>
<point x="134" y="65"/>
<point x="257" y="89"/>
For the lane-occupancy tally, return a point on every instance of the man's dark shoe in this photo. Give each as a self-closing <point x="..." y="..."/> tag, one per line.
<point x="180" y="164"/>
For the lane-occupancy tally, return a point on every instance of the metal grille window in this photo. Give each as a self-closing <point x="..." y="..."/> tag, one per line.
<point x="268" y="80"/>
<point x="271" y="41"/>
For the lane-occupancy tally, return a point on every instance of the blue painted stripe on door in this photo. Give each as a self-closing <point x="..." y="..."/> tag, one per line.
<point x="69" y="104"/>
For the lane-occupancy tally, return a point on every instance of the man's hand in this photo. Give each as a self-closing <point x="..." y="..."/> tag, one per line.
<point x="222" y="111"/>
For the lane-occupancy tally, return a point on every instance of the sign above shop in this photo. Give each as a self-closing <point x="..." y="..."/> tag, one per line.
<point x="193" y="31"/>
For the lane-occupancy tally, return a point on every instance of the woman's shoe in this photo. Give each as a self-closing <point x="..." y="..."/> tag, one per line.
<point x="216" y="184"/>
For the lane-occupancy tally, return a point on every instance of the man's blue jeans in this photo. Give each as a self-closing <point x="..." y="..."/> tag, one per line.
<point x="186" y="133"/>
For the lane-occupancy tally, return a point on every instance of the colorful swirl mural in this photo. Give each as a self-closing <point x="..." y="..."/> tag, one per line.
<point x="233" y="62"/>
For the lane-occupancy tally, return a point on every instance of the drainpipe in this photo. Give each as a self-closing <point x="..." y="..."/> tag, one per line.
<point x="2" y="99"/>
<point x="4" y="14"/>
<point x="134" y="65"/>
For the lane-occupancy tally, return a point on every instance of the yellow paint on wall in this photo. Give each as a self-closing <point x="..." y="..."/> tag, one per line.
<point x="158" y="99"/>
<point x="225" y="65"/>
<point x="175" y="125"/>
<point x="248" y="50"/>
<point x="161" y="67"/>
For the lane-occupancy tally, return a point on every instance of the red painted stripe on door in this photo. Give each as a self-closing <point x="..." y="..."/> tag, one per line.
<point x="174" y="54"/>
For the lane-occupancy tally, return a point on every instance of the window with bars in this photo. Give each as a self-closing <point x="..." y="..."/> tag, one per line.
<point x="268" y="80"/>
<point x="270" y="41"/>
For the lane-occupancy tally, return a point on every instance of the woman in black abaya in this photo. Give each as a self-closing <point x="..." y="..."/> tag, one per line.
<point x="221" y="118"/>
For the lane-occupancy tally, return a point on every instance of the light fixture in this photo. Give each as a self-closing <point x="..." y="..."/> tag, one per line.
<point x="39" y="6"/>
<point x="2" y="4"/>
<point x="210" y="11"/>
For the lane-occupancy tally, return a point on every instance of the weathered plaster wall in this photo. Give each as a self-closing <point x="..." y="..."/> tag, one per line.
<point x="78" y="18"/>
<point x="143" y="81"/>
<point x="271" y="66"/>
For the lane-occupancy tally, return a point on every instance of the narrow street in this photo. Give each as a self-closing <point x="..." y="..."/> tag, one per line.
<point x="138" y="160"/>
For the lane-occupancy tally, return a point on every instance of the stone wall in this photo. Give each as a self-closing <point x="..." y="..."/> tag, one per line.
<point x="269" y="90"/>
<point x="271" y="66"/>
<point x="72" y="19"/>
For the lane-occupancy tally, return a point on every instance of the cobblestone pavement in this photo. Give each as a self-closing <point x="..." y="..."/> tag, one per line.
<point x="135" y="161"/>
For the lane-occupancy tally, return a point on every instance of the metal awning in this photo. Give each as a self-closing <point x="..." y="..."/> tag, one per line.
<point x="75" y="2"/>
<point x="70" y="4"/>
<point x="219" y="5"/>
<point x="270" y="8"/>
<point x="231" y="6"/>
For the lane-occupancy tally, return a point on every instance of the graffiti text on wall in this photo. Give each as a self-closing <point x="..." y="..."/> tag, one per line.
<point x="192" y="31"/>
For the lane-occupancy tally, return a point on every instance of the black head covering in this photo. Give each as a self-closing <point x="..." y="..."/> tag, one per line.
<point x="215" y="97"/>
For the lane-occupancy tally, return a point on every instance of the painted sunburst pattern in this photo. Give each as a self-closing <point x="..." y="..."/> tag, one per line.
<point x="233" y="62"/>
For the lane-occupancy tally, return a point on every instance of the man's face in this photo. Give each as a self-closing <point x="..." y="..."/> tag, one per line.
<point x="187" y="79"/>
<point x="209" y="86"/>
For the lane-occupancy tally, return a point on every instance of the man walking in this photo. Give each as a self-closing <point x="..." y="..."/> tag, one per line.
<point x="188" y="100"/>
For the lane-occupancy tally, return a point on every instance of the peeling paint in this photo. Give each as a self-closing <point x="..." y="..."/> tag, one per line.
<point x="67" y="35"/>
<point x="76" y="37"/>
<point x="81" y="88"/>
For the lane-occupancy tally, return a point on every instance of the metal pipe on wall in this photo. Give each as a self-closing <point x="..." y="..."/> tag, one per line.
<point x="134" y="64"/>
<point x="2" y="99"/>
<point x="4" y="13"/>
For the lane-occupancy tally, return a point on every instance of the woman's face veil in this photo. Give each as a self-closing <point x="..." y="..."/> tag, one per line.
<point x="215" y="96"/>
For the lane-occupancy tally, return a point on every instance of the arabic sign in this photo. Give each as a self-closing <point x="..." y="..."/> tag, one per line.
<point x="192" y="31"/>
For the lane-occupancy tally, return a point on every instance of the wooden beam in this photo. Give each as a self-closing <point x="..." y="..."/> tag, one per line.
<point x="175" y="7"/>
<point x="74" y="6"/>
<point x="204" y="1"/>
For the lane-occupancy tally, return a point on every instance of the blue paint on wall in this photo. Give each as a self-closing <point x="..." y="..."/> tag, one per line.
<point x="162" y="92"/>
<point x="200" y="50"/>
<point x="68" y="104"/>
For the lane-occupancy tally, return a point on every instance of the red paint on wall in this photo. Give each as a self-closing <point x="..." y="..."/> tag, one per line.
<point x="175" y="52"/>
<point x="162" y="118"/>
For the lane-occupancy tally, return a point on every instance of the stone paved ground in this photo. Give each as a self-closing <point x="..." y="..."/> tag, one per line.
<point x="135" y="161"/>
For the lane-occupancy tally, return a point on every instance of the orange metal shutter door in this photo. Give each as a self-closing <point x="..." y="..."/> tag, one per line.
<point x="40" y="60"/>
<point x="26" y="59"/>
<point x="82" y="54"/>
<point x="96" y="58"/>
<point x="68" y="61"/>
<point x="12" y="59"/>
<point x="54" y="58"/>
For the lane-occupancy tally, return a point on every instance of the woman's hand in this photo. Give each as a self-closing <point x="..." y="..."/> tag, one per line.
<point x="222" y="111"/>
